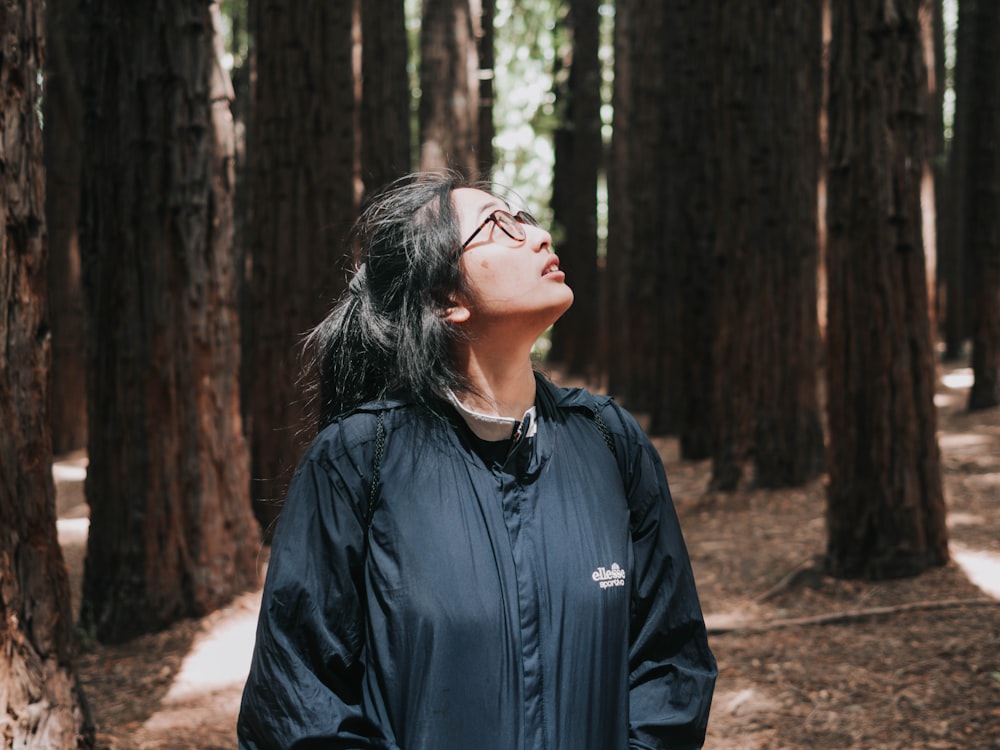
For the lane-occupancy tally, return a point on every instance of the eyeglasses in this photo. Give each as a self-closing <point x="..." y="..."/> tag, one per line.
<point x="511" y="225"/>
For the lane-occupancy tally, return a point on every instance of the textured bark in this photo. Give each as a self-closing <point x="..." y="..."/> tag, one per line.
<point x="578" y="151"/>
<point x="449" y="87"/>
<point x="487" y="60"/>
<point x="982" y="207"/>
<point x="642" y="256"/>
<point x="620" y="236"/>
<point x="63" y="134"/>
<point x="886" y="511"/>
<point x="953" y="247"/>
<point x="765" y="326"/>
<point x="691" y="164"/>
<point x="40" y="704"/>
<point x="303" y="149"/>
<point x="172" y="533"/>
<point x="385" y="98"/>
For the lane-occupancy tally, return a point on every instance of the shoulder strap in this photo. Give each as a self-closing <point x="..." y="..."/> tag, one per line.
<point x="605" y="432"/>
<point x="373" y="495"/>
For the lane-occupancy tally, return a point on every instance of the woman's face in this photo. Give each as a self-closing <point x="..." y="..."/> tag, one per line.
<point x="513" y="283"/>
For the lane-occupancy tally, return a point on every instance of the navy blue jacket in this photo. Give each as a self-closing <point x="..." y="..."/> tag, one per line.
<point x="545" y="603"/>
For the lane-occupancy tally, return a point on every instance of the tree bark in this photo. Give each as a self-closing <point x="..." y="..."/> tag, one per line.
<point x="63" y="134"/>
<point x="578" y="151"/>
<point x="385" y="98"/>
<point x="303" y="149"/>
<point x="172" y="533"/>
<point x="982" y="209"/>
<point x="40" y="703"/>
<point x="952" y="249"/>
<point x="885" y="505"/>
<point x="449" y="88"/>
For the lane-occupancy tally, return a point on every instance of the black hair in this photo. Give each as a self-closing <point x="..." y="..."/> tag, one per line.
<point x="387" y="334"/>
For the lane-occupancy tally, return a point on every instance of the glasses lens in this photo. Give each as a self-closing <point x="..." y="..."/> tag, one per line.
<point x="525" y="218"/>
<point x="509" y="225"/>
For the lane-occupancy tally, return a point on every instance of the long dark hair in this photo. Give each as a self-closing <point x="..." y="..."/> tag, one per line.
<point x="387" y="335"/>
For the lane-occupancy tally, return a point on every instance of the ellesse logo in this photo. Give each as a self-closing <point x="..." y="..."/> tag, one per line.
<point x="608" y="577"/>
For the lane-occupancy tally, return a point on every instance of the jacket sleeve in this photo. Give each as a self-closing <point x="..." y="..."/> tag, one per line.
<point x="304" y="689"/>
<point x="672" y="671"/>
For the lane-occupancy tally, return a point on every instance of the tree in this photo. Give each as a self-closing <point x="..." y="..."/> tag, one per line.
<point x="885" y="504"/>
<point x="303" y="154"/>
<point x="981" y="217"/>
<point x="641" y="255"/>
<point x="578" y="150"/>
<point x="487" y="61"/>
<point x="40" y="703"/>
<point x="449" y="87"/>
<point x="385" y="94"/>
<point x="766" y="244"/>
<point x="63" y="133"/>
<point x="952" y="247"/>
<point x="172" y="533"/>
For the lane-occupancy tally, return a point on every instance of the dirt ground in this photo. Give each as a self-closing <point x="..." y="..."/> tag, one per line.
<point x="805" y="661"/>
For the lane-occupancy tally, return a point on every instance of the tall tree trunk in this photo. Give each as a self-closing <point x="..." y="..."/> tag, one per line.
<point x="487" y="63"/>
<point x="172" y="533"/>
<point x="63" y="134"/>
<point x="645" y="262"/>
<point x="40" y="703"/>
<point x="620" y="215"/>
<point x="886" y="511"/>
<point x="982" y="207"/>
<point x="953" y="246"/>
<point x="303" y="146"/>
<point x="578" y="149"/>
<point x="449" y="88"/>
<point x="765" y="326"/>
<point x="690" y="166"/>
<point x="385" y="97"/>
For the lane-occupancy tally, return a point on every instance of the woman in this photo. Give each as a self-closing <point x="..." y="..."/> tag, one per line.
<point x="470" y="557"/>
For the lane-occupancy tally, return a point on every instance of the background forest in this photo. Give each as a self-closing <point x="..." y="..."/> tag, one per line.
<point x="781" y="222"/>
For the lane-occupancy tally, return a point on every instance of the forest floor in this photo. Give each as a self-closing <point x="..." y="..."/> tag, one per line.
<point x="805" y="661"/>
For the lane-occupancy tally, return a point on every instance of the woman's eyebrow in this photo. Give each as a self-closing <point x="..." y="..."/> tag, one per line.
<point x="492" y="205"/>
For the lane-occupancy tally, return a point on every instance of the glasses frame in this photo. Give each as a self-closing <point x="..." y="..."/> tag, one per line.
<point x="514" y="228"/>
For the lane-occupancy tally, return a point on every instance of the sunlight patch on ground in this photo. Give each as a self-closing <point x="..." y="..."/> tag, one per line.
<point x="964" y="519"/>
<point x="72" y="530"/>
<point x="65" y="471"/>
<point x="963" y="440"/>
<point x="942" y="399"/>
<point x="982" y="567"/>
<point x="958" y="378"/>
<point x="218" y="659"/>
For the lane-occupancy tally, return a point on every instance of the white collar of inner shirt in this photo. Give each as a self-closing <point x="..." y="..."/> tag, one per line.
<point x="492" y="428"/>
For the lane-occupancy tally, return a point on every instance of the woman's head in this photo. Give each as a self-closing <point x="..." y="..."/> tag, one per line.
<point x="418" y="292"/>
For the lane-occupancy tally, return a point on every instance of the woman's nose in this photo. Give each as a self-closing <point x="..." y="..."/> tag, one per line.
<point x="540" y="239"/>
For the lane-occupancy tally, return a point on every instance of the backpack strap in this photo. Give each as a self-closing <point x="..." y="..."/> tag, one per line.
<point x="373" y="495"/>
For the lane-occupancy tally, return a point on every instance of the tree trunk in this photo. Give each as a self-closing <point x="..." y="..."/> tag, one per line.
<point x="449" y="88"/>
<point x="578" y="150"/>
<point x="953" y="247"/>
<point x="40" y="703"/>
<point x="63" y="134"/>
<point x="303" y="146"/>
<point x="982" y="208"/>
<point x="691" y="164"/>
<point x="620" y="224"/>
<point x="886" y="511"/>
<point x="643" y="257"/>
<point x="385" y="98"/>
<point x="487" y="63"/>
<point x="172" y="533"/>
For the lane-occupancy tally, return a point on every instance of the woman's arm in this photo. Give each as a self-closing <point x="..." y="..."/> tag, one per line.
<point x="305" y="682"/>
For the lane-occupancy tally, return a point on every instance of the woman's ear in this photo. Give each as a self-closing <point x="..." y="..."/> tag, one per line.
<point x="456" y="313"/>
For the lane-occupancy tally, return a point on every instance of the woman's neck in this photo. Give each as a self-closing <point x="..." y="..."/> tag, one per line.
<point x="500" y="385"/>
